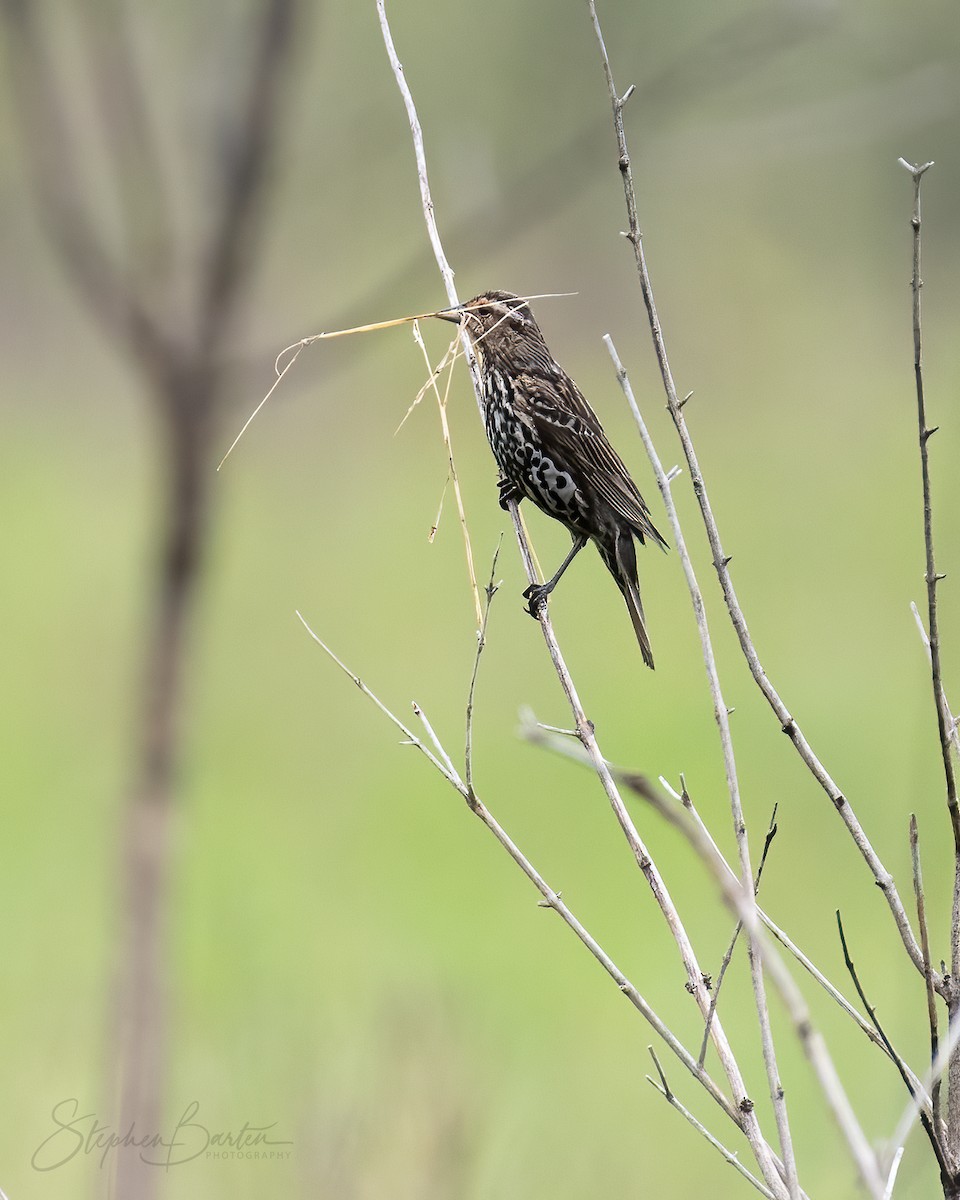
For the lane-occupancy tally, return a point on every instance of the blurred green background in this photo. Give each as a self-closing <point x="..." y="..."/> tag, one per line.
<point x="354" y="959"/>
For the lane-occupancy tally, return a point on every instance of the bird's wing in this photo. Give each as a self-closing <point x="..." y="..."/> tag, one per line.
<point x="567" y="425"/>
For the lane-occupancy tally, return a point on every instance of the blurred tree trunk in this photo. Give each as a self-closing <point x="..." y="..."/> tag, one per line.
<point x="181" y="363"/>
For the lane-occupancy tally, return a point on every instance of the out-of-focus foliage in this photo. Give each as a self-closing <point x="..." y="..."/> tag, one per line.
<point x="355" y="960"/>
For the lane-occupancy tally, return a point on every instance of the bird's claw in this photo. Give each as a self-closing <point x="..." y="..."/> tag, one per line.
<point x="508" y="492"/>
<point x="536" y="597"/>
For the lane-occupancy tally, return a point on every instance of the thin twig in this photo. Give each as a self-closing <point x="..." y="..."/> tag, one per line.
<point x="927" y="972"/>
<point x="938" y="1067"/>
<point x="489" y="592"/>
<point x="431" y="734"/>
<point x="883" y="877"/>
<point x="925" y="1121"/>
<point x="894" y="1169"/>
<point x="932" y="577"/>
<point x="953" y="722"/>
<point x="665" y="1091"/>
<point x="728" y="956"/>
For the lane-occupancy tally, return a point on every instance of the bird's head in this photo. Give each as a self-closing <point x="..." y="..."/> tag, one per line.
<point x="498" y="323"/>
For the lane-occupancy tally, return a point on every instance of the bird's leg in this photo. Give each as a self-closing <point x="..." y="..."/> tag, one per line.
<point x="508" y="492"/>
<point x="537" y="593"/>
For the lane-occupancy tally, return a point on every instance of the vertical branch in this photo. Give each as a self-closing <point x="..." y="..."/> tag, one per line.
<point x="720" y="711"/>
<point x="944" y="730"/>
<point x="927" y="974"/>
<point x="925" y="433"/>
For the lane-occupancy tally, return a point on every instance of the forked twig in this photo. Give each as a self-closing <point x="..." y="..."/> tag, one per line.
<point x="665" y="1091"/>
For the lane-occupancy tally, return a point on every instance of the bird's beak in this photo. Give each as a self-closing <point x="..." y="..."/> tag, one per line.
<point x="451" y="314"/>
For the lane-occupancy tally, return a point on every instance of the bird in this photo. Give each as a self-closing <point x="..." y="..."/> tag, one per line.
<point x="551" y="449"/>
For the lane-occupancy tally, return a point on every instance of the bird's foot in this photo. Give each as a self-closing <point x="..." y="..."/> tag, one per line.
<point x="536" y="597"/>
<point x="509" y="492"/>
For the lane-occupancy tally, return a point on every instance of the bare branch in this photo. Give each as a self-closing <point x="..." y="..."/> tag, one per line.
<point x="932" y="577"/>
<point x="796" y="1006"/>
<point x="792" y="948"/>
<point x="721" y="560"/>
<point x="551" y="898"/>
<point x="945" y="725"/>
<point x="664" y="1089"/>
<point x="810" y="1038"/>
<point x="928" y="1126"/>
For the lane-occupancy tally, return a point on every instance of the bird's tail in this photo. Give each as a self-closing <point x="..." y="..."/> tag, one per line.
<point x="621" y="560"/>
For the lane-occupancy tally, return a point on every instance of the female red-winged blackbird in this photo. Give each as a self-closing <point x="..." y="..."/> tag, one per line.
<point x="551" y="448"/>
